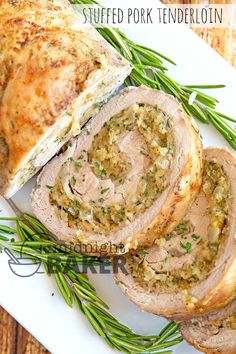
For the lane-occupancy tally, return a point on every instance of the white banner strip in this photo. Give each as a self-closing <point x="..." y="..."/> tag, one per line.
<point x="201" y="15"/>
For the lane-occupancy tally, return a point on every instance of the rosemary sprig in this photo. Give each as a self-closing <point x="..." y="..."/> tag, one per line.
<point x="36" y="243"/>
<point x="149" y="70"/>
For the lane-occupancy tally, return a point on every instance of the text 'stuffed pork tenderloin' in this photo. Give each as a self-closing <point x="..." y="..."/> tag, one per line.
<point x="128" y="178"/>
<point x="55" y="71"/>
<point x="192" y="270"/>
<point x="214" y="333"/>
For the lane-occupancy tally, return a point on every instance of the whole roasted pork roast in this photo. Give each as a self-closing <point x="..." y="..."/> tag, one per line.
<point x="54" y="73"/>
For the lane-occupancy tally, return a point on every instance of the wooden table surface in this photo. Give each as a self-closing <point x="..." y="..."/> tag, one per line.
<point x="14" y="339"/>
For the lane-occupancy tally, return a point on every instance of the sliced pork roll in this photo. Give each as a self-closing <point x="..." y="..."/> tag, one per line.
<point x="126" y="179"/>
<point x="192" y="270"/>
<point x="215" y="333"/>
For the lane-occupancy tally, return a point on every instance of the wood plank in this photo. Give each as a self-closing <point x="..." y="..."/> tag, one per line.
<point x="8" y="332"/>
<point x="14" y="339"/>
<point x="223" y="40"/>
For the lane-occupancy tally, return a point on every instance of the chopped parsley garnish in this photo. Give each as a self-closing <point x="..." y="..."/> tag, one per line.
<point x="81" y="157"/>
<point x="214" y="246"/>
<point x="75" y="203"/>
<point x="78" y="165"/>
<point x="101" y="200"/>
<point x="183" y="227"/>
<point x="195" y="237"/>
<point x="96" y="163"/>
<point x="102" y="173"/>
<point x="73" y="181"/>
<point x="187" y="246"/>
<point x="99" y="104"/>
<point x="68" y="144"/>
<point x="168" y="236"/>
<point x="142" y="252"/>
<point x="149" y="193"/>
<point x="105" y="190"/>
<point x="128" y="127"/>
<point x="143" y="152"/>
<point x="49" y="187"/>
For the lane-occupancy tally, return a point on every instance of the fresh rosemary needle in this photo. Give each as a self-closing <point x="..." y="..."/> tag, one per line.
<point x="36" y="243"/>
<point x="149" y="70"/>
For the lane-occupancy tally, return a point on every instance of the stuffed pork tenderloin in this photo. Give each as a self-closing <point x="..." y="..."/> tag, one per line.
<point x="214" y="333"/>
<point x="128" y="177"/>
<point x="55" y="71"/>
<point x="192" y="270"/>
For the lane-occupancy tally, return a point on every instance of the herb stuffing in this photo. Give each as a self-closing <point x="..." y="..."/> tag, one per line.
<point x="216" y="188"/>
<point x="108" y="162"/>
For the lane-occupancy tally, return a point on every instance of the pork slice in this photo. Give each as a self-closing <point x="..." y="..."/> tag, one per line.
<point x="210" y="334"/>
<point x="183" y="178"/>
<point x="210" y="292"/>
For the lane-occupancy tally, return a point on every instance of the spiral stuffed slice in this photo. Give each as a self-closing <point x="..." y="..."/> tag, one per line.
<point x="214" y="333"/>
<point x="127" y="179"/>
<point x="192" y="270"/>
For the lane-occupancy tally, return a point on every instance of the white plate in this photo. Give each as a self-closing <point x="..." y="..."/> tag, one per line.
<point x="64" y="330"/>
